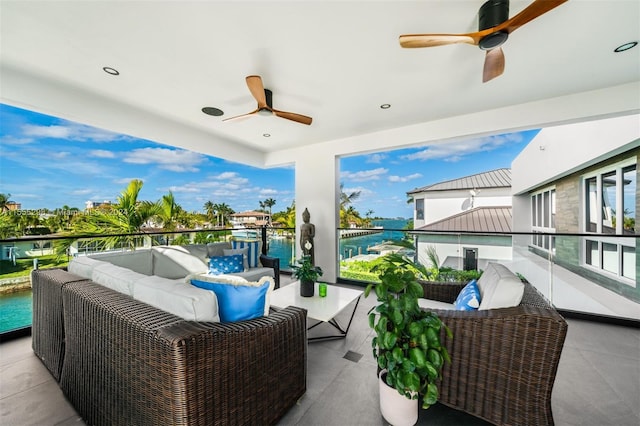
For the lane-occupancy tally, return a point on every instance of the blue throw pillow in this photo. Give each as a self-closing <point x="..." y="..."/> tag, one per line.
<point x="237" y="302"/>
<point x="225" y="264"/>
<point x="469" y="297"/>
<point x="253" y="251"/>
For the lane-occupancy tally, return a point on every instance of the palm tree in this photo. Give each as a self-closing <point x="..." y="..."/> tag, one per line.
<point x="346" y="199"/>
<point x="127" y="216"/>
<point x="225" y="211"/>
<point x="4" y="200"/>
<point x="269" y="202"/>
<point x="169" y="212"/>
<point x="7" y="228"/>
<point x="210" y="210"/>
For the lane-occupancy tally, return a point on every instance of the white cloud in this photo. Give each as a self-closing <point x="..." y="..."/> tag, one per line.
<point x="376" y="158"/>
<point x="168" y="159"/>
<point x="101" y="153"/>
<point x="364" y="175"/>
<point x="12" y="140"/>
<point x="71" y="131"/>
<point x="456" y="150"/>
<point x="82" y="191"/>
<point x="404" y="178"/>
<point x="127" y="180"/>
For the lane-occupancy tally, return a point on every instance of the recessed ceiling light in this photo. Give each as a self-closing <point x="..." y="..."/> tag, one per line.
<point x="626" y="46"/>
<point x="110" y="70"/>
<point x="266" y="135"/>
<point x="212" y="111"/>
<point x="385" y="106"/>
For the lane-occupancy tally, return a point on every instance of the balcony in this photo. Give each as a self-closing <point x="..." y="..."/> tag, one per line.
<point x="598" y="380"/>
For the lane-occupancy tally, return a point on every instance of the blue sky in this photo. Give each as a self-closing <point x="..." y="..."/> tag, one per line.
<point x="47" y="162"/>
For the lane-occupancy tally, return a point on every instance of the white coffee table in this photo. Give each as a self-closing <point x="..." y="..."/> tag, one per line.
<point x="322" y="309"/>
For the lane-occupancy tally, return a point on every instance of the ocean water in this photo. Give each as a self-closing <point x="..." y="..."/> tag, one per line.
<point x="15" y="310"/>
<point x="284" y="248"/>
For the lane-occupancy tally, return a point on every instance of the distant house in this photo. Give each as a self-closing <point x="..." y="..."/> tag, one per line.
<point x="13" y="206"/>
<point x="250" y="218"/>
<point x="471" y="204"/>
<point x="582" y="179"/>
<point x="96" y="204"/>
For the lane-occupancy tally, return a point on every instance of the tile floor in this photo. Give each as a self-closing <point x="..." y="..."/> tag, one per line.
<point x="598" y="381"/>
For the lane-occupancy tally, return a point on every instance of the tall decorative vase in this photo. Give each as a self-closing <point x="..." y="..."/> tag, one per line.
<point x="396" y="409"/>
<point x="307" y="288"/>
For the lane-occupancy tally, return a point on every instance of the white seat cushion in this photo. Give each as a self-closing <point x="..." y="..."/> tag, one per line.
<point x="434" y="304"/>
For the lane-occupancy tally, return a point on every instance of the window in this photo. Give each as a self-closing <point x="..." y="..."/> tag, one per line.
<point x="420" y="209"/>
<point x="609" y="210"/>
<point x="543" y="219"/>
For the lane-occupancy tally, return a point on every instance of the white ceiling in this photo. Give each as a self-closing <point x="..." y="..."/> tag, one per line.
<point x="335" y="61"/>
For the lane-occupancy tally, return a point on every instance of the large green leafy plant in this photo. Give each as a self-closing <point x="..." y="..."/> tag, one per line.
<point x="407" y="342"/>
<point x="304" y="270"/>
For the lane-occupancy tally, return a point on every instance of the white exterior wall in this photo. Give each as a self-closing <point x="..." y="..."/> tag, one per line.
<point x="318" y="189"/>
<point x="561" y="150"/>
<point x="442" y="204"/>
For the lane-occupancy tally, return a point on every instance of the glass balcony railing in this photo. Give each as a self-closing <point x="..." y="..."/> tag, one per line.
<point x="594" y="274"/>
<point x="18" y="256"/>
<point x="584" y="273"/>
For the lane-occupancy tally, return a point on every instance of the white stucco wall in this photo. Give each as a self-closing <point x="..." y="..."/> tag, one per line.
<point x="561" y="150"/>
<point x="443" y="204"/>
<point x="317" y="189"/>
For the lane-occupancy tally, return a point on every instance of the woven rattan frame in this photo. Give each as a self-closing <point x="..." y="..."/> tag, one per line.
<point x="128" y="363"/>
<point x="47" y="330"/>
<point x="503" y="361"/>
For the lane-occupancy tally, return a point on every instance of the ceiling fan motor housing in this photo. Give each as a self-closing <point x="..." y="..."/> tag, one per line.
<point x="268" y="94"/>
<point x="493" y="13"/>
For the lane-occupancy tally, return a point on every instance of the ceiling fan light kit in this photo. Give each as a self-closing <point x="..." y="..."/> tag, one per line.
<point x="494" y="27"/>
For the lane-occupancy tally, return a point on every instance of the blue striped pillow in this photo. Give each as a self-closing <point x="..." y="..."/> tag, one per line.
<point x="254" y="249"/>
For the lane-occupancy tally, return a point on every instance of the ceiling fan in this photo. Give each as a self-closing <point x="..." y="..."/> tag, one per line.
<point x="265" y="106"/>
<point x="494" y="27"/>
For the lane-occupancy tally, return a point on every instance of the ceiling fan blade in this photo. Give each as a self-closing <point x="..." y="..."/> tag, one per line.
<point x="293" y="116"/>
<point x="493" y="64"/>
<point x="432" y="40"/>
<point x="254" y="82"/>
<point x="531" y="12"/>
<point x="242" y="116"/>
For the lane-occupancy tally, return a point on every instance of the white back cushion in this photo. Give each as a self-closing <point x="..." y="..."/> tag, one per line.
<point x="83" y="266"/>
<point x="116" y="278"/>
<point x="499" y="288"/>
<point x="140" y="261"/>
<point x="176" y="262"/>
<point x="176" y="297"/>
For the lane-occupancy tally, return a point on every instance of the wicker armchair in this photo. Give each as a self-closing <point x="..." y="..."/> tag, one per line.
<point x="127" y="363"/>
<point x="503" y="361"/>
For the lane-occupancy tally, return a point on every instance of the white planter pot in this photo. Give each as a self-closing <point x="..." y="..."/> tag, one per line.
<point x="396" y="409"/>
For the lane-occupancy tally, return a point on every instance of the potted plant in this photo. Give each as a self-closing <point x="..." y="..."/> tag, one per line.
<point x="407" y="344"/>
<point x="305" y="271"/>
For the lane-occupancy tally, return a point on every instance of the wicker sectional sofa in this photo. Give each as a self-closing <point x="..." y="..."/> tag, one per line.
<point x="120" y="361"/>
<point x="503" y="361"/>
